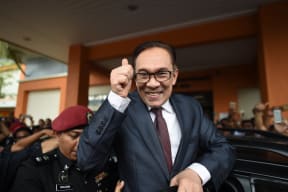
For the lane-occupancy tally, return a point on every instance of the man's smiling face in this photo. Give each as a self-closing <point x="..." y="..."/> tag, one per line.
<point x="152" y="60"/>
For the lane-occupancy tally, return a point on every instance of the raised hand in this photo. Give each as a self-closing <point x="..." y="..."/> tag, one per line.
<point x="121" y="78"/>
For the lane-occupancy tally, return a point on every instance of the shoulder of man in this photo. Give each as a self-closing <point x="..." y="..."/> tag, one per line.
<point x="44" y="158"/>
<point x="134" y="95"/>
<point x="187" y="100"/>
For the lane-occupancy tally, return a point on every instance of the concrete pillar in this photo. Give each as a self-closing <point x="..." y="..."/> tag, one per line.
<point x="273" y="53"/>
<point x="78" y="77"/>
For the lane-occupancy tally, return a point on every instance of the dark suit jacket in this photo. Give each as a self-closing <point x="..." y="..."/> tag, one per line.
<point x="141" y="161"/>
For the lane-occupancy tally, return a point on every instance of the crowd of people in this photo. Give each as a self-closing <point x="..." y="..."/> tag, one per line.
<point x="263" y="119"/>
<point x="122" y="146"/>
<point x="18" y="142"/>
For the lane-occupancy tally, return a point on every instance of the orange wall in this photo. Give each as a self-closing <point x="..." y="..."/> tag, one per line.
<point x="232" y="28"/>
<point x="99" y="76"/>
<point x="227" y="82"/>
<point x="37" y="85"/>
<point x="273" y="64"/>
<point x="223" y="82"/>
<point x="77" y="77"/>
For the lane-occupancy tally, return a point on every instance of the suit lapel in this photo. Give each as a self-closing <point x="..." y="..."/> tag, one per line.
<point x="146" y="129"/>
<point x="176" y="104"/>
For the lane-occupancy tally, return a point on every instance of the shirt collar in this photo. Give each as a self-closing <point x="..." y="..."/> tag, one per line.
<point x="166" y="107"/>
<point x="64" y="160"/>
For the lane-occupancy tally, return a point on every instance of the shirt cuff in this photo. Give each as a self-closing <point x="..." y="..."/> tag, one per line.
<point x="202" y="171"/>
<point x="119" y="103"/>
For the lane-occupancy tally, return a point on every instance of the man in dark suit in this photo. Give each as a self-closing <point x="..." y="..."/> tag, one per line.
<point x="197" y="154"/>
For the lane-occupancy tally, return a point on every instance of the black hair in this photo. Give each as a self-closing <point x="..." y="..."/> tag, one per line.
<point x="151" y="44"/>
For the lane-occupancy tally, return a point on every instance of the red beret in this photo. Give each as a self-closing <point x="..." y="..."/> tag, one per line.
<point x="17" y="125"/>
<point x="72" y="117"/>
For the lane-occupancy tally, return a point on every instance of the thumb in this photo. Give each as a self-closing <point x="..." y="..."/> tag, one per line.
<point x="125" y="61"/>
<point x="173" y="182"/>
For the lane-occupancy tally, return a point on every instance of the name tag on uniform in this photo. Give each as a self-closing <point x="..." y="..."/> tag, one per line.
<point x="64" y="187"/>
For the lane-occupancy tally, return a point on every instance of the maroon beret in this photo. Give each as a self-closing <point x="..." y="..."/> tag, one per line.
<point x="17" y="125"/>
<point x="72" y="117"/>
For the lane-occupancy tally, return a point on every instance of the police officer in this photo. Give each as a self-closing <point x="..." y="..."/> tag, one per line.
<point x="57" y="169"/>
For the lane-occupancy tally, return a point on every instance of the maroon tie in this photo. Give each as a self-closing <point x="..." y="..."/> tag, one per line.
<point x="163" y="134"/>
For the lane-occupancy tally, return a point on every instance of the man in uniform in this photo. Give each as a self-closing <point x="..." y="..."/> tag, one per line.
<point x="57" y="170"/>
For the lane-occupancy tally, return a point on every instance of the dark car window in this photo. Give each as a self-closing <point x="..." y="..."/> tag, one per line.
<point x="261" y="155"/>
<point x="268" y="186"/>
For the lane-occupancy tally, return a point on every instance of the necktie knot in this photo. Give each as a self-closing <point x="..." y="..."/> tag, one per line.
<point x="157" y="111"/>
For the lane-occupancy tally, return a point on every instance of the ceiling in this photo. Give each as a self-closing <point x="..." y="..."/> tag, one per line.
<point x="50" y="27"/>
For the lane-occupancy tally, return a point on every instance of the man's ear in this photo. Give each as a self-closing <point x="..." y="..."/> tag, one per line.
<point x="175" y="76"/>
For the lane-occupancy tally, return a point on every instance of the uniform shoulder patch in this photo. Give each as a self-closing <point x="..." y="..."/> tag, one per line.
<point x="45" y="158"/>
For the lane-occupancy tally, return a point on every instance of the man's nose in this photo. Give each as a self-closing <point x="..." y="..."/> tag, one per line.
<point x="152" y="81"/>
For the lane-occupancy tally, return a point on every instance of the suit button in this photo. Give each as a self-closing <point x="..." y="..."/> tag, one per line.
<point x="102" y="123"/>
<point x="99" y="130"/>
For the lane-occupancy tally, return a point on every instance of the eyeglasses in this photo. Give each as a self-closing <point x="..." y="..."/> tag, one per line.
<point x="160" y="76"/>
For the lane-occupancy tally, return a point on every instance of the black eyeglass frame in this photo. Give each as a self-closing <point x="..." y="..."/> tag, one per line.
<point x="154" y="74"/>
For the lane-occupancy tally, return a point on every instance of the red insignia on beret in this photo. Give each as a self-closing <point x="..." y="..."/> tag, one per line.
<point x="72" y="117"/>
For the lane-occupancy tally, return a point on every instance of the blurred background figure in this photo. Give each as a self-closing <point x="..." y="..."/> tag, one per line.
<point x="4" y="135"/>
<point x="267" y="120"/>
<point x="39" y="126"/>
<point x="20" y="130"/>
<point x="27" y="120"/>
<point x="48" y="123"/>
<point x="247" y="124"/>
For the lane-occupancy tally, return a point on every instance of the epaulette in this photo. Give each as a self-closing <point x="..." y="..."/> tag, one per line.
<point x="45" y="158"/>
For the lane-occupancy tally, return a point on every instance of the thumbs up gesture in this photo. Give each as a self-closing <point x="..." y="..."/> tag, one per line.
<point x="121" y="78"/>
